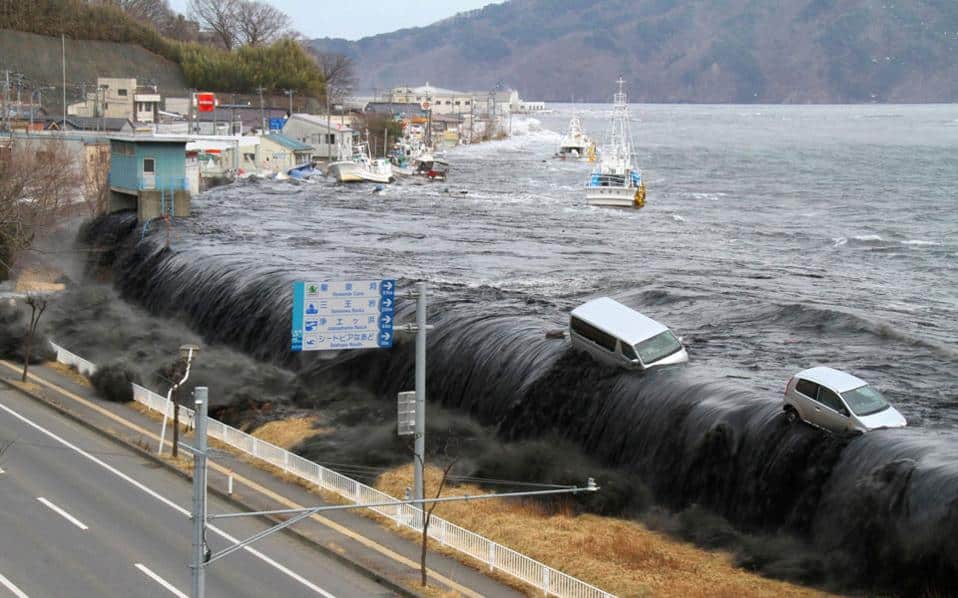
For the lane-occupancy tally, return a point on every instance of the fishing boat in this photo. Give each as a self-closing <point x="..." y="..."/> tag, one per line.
<point x="359" y="166"/>
<point x="616" y="180"/>
<point x="575" y="143"/>
<point x="431" y="166"/>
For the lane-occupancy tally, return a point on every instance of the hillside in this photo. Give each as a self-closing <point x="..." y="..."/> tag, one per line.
<point x="802" y="51"/>
<point x="38" y="58"/>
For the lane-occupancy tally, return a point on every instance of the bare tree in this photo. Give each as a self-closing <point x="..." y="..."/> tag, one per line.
<point x="339" y="72"/>
<point x="38" y="180"/>
<point x="426" y="518"/>
<point x="218" y="17"/>
<point x="259" y="23"/>
<point x="155" y="12"/>
<point x="37" y="306"/>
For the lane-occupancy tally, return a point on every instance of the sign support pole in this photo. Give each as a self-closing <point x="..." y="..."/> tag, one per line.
<point x="199" y="495"/>
<point x="420" y="447"/>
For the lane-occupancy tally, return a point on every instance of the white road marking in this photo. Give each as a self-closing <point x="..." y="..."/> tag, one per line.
<point x="63" y="513"/>
<point x="279" y="567"/>
<point x="160" y="580"/>
<point x="9" y="585"/>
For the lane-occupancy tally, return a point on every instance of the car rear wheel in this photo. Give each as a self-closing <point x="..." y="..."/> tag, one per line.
<point x="791" y="416"/>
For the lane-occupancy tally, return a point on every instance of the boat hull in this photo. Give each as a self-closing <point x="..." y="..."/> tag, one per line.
<point x="345" y="172"/>
<point x="612" y="197"/>
<point x="374" y="177"/>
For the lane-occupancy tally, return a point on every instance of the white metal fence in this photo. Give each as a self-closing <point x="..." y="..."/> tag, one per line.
<point x="82" y="365"/>
<point x="495" y="556"/>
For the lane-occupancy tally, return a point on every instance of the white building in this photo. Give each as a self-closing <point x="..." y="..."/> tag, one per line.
<point x="119" y="98"/>
<point x="316" y="131"/>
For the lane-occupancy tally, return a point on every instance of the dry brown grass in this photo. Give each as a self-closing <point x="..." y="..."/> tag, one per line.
<point x="287" y="433"/>
<point x="616" y="555"/>
<point x="619" y="556"/>
<point x="39" y="280"/>
<point x="65" y="370"/>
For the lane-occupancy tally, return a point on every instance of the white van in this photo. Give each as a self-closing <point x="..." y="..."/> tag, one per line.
<point x="620" y="336"/>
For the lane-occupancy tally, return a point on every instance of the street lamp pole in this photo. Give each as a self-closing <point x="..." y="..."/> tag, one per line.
<point x="186" y="352"/>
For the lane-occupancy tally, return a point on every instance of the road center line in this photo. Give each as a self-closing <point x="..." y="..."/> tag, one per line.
<point x="160" y="580"/>
<point x="276" y="565"/>
<point x="63" y="513"/>
<point x="9" y="585"/>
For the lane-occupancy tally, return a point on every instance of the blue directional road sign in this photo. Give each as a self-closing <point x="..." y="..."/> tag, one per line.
<point x="338" y="315"/>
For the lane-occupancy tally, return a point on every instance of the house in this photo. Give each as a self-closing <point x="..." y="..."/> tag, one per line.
<point x="279" y="153"/>
<point x="148" y="174"/>
<point x="119" y="98"/>
<point x="314" y="131"/>
<point x="437" y="99"/>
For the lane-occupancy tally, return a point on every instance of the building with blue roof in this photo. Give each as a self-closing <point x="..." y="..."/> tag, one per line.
<point x="280" y="153"/>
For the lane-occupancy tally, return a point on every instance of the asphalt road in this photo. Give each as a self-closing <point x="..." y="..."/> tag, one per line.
<point x="81" y="516"/>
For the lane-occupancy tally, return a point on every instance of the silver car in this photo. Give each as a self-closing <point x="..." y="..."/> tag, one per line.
<point x="838" y="402"/>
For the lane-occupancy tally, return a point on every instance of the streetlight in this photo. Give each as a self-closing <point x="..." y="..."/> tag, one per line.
<point x="290" y="93"/>
<point x="186" y="354"/>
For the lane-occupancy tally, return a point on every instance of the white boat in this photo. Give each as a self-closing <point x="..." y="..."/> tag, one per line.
<point x="575" y="143"/>
<point x="616" y="180"/>
<point x="359" y="167"/>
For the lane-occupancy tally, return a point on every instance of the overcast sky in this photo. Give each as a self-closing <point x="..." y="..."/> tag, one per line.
<point x="353" y="19"/>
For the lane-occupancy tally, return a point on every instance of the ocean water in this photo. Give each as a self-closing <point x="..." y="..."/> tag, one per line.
<point x="773" y="239"/>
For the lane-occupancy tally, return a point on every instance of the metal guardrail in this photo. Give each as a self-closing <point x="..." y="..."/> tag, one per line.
<point x="82" y="365"/>
<point x="496" y="556"/>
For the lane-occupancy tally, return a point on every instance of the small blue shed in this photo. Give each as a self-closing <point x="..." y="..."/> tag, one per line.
<point x="148" y="174"/>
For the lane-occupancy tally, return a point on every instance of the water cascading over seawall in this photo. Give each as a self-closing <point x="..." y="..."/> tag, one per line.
<point x="882" y="508"/>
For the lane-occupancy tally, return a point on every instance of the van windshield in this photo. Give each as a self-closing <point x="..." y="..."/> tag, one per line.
<point x="657" y="347"/>
<point x="865" y="400"/>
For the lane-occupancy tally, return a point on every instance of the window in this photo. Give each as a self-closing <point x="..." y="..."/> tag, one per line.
<point x="629" y="351"/>
<point x="603" y="339"/>
<point x="330" y="138"/>
<point x="658" y="347"/>
<point x="149" y="166"/>
<point x="121" y="92"/>
<point x="865" y="400"/>
<point x="458" y="102"/>
<point x="807" y="388"/>
<point x="831" y="400"/>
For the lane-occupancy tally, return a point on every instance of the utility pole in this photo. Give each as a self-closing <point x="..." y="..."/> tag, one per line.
<point x="329" y="129"/>
<point x="6" y="99"/>
<point x="199" y="494"/>
<point x="189" y="117"/>
<point x="262" y="114"/>
<point x="63" y="57"/>
<point x="420" y="446"/>
<point x="290" y="93"/>
<point x="19" y="88"/>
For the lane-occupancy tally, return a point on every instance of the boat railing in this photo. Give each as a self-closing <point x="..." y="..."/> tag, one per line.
<point x="607" y="180"/>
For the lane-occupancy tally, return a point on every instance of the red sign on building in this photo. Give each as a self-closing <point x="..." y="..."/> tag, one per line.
<point x="205" y="101"/>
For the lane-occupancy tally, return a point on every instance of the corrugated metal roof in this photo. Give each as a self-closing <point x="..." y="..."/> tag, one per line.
<point x="290" y="144"/>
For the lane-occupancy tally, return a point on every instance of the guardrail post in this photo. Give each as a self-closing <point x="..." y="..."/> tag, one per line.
<point x="492" y="556"/>
<point x="356" y="495"/>
<point x="286" y="461"/>
<point x="545" y="580"/>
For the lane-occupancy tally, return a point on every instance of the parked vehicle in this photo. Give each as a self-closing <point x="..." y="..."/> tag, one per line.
<point x="620" y="336"/>
<point x="838" y="402"/>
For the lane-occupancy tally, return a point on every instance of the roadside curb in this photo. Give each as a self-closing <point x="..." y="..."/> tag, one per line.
<point x="341" y="558"/>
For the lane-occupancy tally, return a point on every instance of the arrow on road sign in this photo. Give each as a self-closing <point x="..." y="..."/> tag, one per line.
<point x="386" y="320"/>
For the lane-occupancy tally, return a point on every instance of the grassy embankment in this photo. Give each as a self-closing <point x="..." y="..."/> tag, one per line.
<point x="617" y="555"/>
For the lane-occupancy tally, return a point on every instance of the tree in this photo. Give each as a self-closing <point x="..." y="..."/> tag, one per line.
<point x="218" y="17"/>
<point x="38" y="180"/>
<point x="259" y="23"/>
<point x="37" y="306"/>
<point x="155" y="12"/>
<point x="339" y="72"/>
<point x="427" y="517"/>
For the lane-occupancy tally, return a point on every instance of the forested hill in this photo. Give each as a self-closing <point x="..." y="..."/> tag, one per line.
<point x="680" y="50"/>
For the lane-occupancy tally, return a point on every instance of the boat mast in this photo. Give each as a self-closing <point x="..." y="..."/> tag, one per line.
<point x="620" y="134"/>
